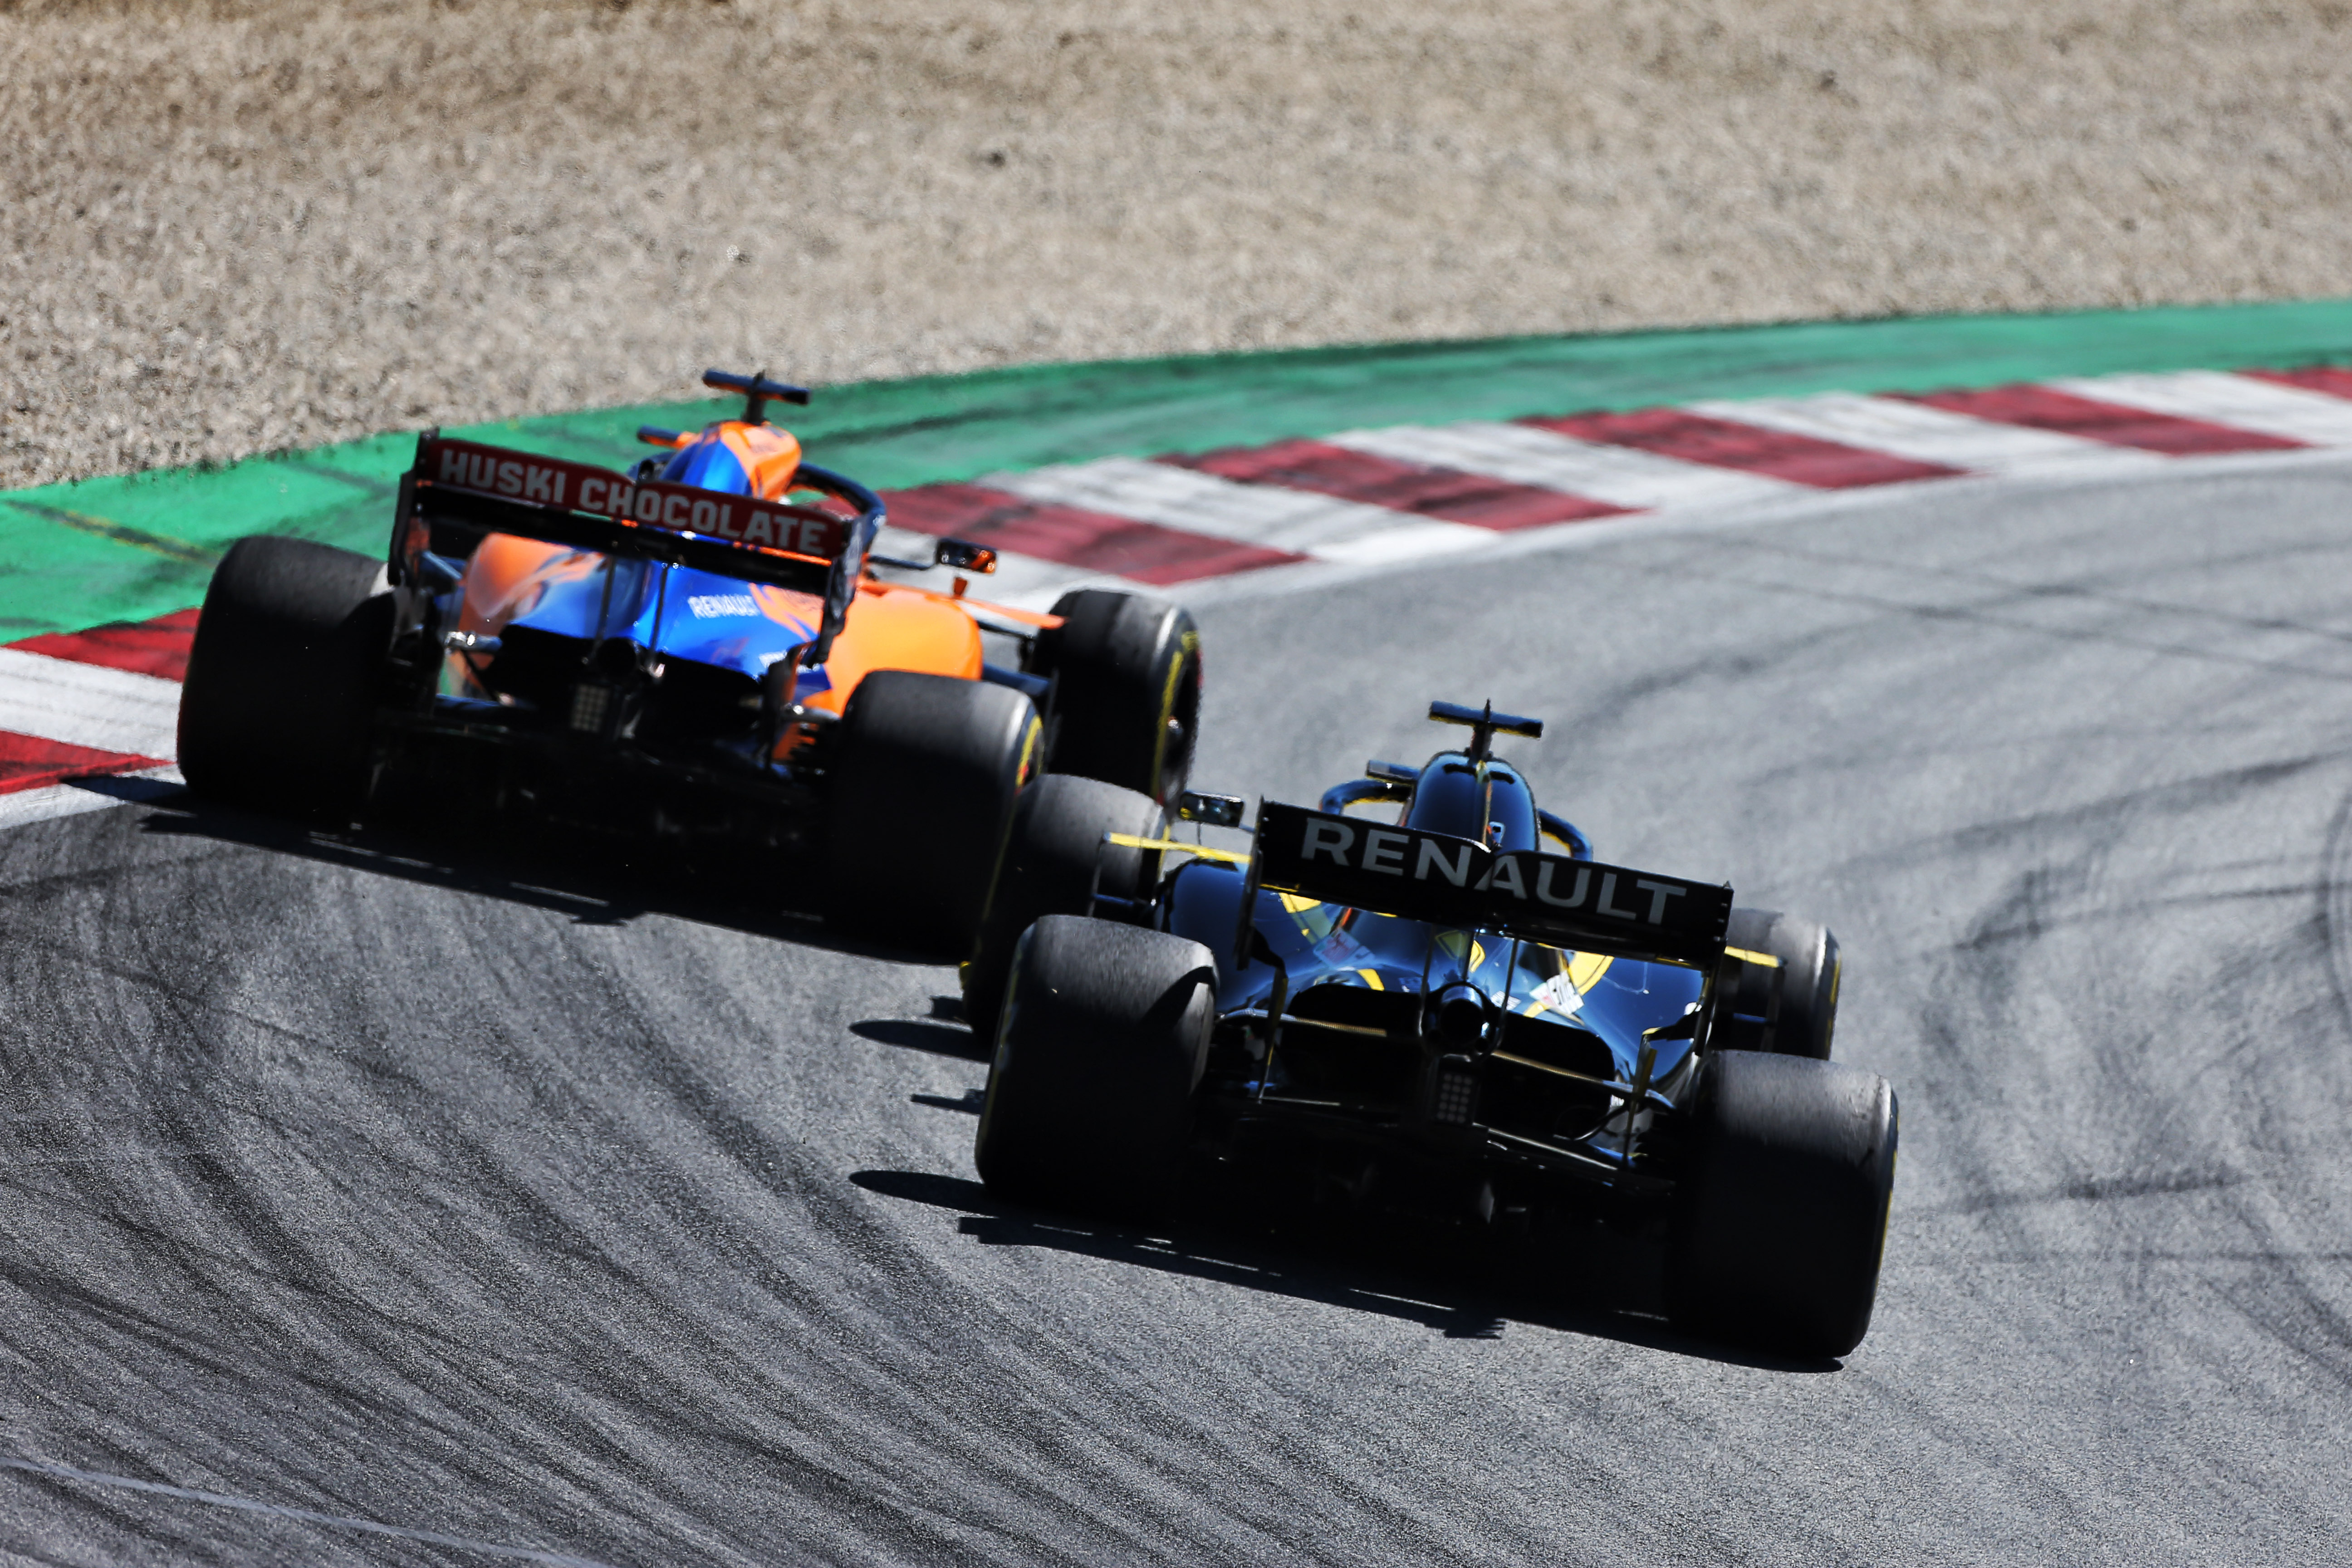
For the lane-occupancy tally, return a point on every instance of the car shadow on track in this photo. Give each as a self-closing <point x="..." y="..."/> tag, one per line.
<point x="610" y="889"/>
<point x="1452" y="1289"/>
<point x="943" y="1034"/>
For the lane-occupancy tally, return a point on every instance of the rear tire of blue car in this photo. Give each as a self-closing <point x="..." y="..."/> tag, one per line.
<point x="1105" y="1034"/>
<point x="275" y="714"/>
<point x="1797" y="997"/>
<point x="1125" y="705"/>
<point x="1779" y="1217"/>
<point x="926" y="770"/>
<point x="1054" y="862"/>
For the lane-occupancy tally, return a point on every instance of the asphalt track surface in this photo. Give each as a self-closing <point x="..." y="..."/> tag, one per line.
<point x="545" y="1210"/>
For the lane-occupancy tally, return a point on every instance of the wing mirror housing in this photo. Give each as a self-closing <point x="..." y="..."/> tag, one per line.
<point x="964" y="556"/>
<point x="960" y="553"/>
<point x="1210" y="810"/>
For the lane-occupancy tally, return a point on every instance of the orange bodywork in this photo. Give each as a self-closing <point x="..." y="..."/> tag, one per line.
<point x="699" y="615"/>
<point x="770" y="455"/>
<point x="890" y="628"/>
<point x="507" y="575"/>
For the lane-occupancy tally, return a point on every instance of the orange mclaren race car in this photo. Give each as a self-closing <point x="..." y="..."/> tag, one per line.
<point x="697" y="652"/>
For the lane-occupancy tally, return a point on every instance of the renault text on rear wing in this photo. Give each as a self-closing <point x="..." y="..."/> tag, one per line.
<point x="1434" y="877"/>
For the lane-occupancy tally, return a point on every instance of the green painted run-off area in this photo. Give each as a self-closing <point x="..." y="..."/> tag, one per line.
<point x="127" y="548"/>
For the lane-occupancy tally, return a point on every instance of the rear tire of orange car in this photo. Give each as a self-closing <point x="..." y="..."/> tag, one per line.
<point x="1780" y="1216"/>
<point x="1054" y="863"/>
<point x="275" y="714"/>
<point x="925" y="772"/>
<point x="1089" y="1101"/>
<point x="1125" y="705"/>
<point x="1789" y="1008"/>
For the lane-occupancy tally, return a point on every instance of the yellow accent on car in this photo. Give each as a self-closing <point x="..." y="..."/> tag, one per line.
<point x="1188" y="647"/>
<point x="1231" y="857"/>
<point x="1029" y="739"/>
<point x="1745" y="956"/>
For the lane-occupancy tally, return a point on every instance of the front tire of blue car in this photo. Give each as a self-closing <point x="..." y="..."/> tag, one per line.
<point x="280" y="691"/>
<point x="1054" y="862"/>
<point x="1795" y="995"/>
<point x="925" y="772"/>
<point x="1780" y="1217"/>
<point x="1104" y="1036"/>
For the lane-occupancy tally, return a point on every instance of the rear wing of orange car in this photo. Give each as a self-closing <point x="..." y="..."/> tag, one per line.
<point x="812" y="549"/>
<point x="1547" y="898"/>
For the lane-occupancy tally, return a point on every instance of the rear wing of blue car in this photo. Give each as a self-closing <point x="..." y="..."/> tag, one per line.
<point x="1459" y="882"/>
<point x="813" y="549"/>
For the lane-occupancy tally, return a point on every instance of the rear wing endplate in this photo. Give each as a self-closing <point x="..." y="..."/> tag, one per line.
<point x="810" y="548"/>
<point x="1450" y="881"/>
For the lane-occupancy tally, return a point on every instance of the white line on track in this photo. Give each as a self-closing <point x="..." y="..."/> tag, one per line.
<point x="2220" y="398"/>
<point x="21" y="808"/>
<point x="1797" y="504"/>
<point x="1930" y="434"/>
<point x="303" y="1515"/>
<point x="1300" y="521"/>
<point x="1621" y="476"/>
<point x="89" y="705"/>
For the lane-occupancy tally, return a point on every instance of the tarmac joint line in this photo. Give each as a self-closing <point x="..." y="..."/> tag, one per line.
<point x="302" y="1515"/>
<point x="177" y="550"/>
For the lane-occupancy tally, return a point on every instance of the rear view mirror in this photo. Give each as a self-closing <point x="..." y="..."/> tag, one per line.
<point x="1212" y="810"/>
<point x="965" y="556"/>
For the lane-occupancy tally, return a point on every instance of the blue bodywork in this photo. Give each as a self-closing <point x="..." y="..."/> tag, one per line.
<point x="1333" y="1014"/>
<point x="673" y="612"/>
<point x="1323" y="945"/>
<point x="1618" y="1000"/>
<point x="677" y="612"/>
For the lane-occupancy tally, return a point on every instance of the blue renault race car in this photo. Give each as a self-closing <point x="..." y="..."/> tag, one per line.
<point x="1437" y="1014"/>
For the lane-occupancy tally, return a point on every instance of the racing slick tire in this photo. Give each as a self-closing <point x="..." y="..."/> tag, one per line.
<point x="281" y="677"/>
<point x="1779" y="1219"/>
<point x="1055" y="863"/>
<point x="1797" y="999"/>
<point x="1089" y="1101"/>
<point x="1126" y="704"/>
<point x="925" y="771"/>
